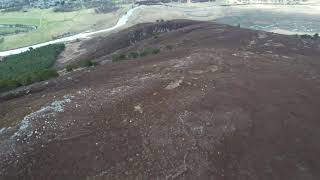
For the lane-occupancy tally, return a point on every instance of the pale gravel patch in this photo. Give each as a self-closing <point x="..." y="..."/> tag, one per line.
<point x="262" y="35"/>
<point x="138" y="108"/>
<point x="174" y="84"/>
<point x="2" y="130"/>
<point x="46" y="111"/>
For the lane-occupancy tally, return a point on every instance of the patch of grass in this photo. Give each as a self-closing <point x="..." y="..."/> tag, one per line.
<point x="148" y="51"/>
<point x="34" y="21"/>
<point x="169" y="47"/>
<point x="87" y="63"/>
<point x="29" y="67"/>
<point x="155" y="51"/>
<point x="135" y="54"/>
<point x="83" y="63"/>
<point x="144" y="52"/>
<point x="70" y="67"/>
<point x="13" y="30"/>
<point x="118" y="57"/>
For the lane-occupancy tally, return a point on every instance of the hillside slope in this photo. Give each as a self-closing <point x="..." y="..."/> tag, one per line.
<point x="217" y="102"/>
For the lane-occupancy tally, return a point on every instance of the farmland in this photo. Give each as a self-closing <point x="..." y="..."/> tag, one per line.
<point x="5" y="19"/>
<point x="51" y="25"/>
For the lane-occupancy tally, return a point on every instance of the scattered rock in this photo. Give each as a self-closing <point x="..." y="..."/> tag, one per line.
<point x="138" y="108"/>
<point x="174" y="84"/>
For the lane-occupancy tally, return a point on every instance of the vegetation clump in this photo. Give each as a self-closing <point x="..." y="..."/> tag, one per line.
<point x="307" y="36"/>
<point x="169" y="47"/>
<point x="159" y="20"/>
<point x="118" y="57"/>
<point x="70" y="67"/>
<point x="148" y="51"/>
<point x="29" y="67"/>
<point x="135" y="54"/>
<point x="83" y="63"/>
<point x="87" y="63"/>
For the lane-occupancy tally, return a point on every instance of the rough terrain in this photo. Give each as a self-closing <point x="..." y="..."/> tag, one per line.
<point x="217" y="102"/>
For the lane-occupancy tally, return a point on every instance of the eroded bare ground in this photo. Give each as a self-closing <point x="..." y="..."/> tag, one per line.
<point x="224" y="103"/>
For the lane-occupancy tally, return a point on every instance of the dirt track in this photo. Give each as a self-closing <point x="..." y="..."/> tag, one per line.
<point x="224" y="103"/>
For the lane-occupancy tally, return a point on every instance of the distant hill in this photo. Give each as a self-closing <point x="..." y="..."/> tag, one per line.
<point x="5" y="4"/>
<point x="266" y="1"/>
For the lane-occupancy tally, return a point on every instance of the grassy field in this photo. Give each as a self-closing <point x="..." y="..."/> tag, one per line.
<point x="54" y="24"/>
<point x="5" y="31"/>
<point x="4" y="19"/>
<point x="9" y="30"/>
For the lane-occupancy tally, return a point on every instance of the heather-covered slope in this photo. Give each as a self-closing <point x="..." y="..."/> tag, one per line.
<point x="217" y="102"/>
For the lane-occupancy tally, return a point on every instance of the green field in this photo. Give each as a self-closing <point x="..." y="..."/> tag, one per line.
<point x="6" y="31"/>
<point x="12" y="20"/>
<point x="54" y="24"/>
<point x="9" y="30"/>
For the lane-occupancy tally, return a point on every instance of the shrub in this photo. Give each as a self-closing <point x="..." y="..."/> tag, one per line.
<point x="24" y="80"/>
<point x="70" y="67"/>
<point x="87" y="63"/>
<point x="47" y="74"/>
<point x="108" y="7"/>
<point x="155" y="51"/>
<point x="169" y="47"/>
<point x="148" y="51"/>
<point x="83" y="63"/>
<point x="306" y="36"/>
<point x="118" y="57"/>
<point x="7" y="84"/>
<point x="67" y="8"/>
<point x="133" y="55"/>
<point x="145" y="52"/>
<point x="14" y="9"/>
